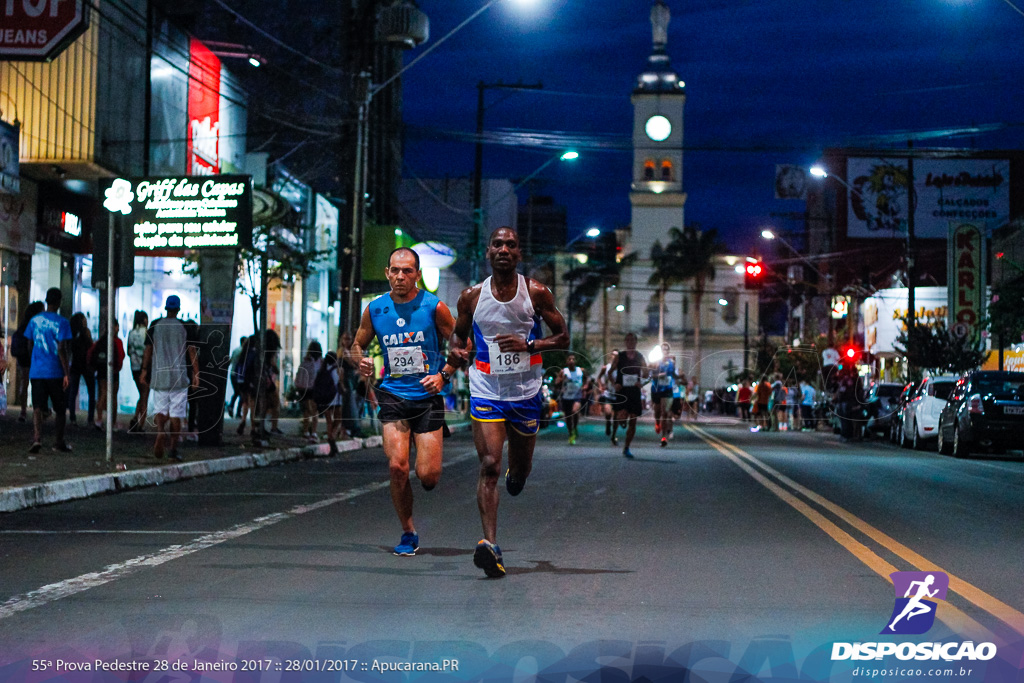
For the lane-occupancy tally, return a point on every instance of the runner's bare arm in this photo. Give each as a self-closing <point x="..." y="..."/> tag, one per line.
<point x="544" y="305"/>
<point x="458" y="353"/>
<point x="364" y="335"/>
<point x="445" y="324"/>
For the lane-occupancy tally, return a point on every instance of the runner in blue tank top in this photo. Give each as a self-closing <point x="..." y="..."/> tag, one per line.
<point x="502" y="315"/>
<point x="409" y="324"/>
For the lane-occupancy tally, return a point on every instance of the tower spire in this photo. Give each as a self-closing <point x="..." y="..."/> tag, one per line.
<point x="660" y="16"/>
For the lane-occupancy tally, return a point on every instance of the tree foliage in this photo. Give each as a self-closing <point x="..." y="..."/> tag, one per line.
<point x="934" y="347"/>
<point x="1007" y="311"/>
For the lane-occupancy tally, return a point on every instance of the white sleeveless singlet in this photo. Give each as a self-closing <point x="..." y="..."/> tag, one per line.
<point x="505" y="376"/>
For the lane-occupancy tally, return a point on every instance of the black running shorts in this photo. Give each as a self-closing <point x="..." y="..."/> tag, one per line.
<point x="423" y="416"/>
<point x="632" y="401"/>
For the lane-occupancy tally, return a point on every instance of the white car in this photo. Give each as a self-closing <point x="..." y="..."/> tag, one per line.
<point x="921" y="414"/>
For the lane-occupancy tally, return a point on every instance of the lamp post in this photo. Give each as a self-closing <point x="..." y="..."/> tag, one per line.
<point x="365" y="92"/>
<point x="820" y="172"/>
<point x="591" y="233"/>
<point x="478" y="162"/>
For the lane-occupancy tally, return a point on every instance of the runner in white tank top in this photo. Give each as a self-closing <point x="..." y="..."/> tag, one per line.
<point x="502" y="317"/>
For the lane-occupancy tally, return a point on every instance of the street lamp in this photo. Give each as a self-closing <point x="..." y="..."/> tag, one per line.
<point x="591" y="234"/>
<point x="365" y="94"/>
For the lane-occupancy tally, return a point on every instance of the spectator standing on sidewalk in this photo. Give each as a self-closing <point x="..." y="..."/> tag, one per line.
<point x="743" y="400"/>
<point x="98" y="361"/>
<point x="48" y="335"/>
<point x="21" y="352"/>
<point x="807" y="396"/>
<point x="136" y="350"/>
<point x="304" y="379"/>
<point x="169" y="347"/>
<point x="81" y="342"/>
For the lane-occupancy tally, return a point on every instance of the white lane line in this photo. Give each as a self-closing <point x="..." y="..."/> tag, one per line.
<point x="64" y="589"/>
<point x="141" y="532"/>
<point x="253" y="494"/>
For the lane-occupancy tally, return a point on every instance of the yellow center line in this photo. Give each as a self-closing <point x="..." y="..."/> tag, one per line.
<point x="957" y="620"/>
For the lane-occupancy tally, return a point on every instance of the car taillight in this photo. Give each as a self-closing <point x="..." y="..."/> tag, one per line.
<point x="976" y="406"/>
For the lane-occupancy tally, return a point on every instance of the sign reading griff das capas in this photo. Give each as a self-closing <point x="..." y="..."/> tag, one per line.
<point x="191" y="212"/>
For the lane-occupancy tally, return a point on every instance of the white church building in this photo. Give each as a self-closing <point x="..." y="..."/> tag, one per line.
<point x="728" y="312"/>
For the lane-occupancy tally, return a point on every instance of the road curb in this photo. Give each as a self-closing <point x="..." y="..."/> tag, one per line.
<point x="47" y="493"/>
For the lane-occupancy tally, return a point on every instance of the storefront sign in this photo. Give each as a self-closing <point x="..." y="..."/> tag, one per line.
<point x="39" y="30"/>
<point x="966" y="268"/>
<point x="946" y="190"/>
<point x="191" y="212"/>
<point x="10" y="175"/>
<point x="840" y="307"/>
<point x="72" y="224"/>
<point x="203" y="136"/>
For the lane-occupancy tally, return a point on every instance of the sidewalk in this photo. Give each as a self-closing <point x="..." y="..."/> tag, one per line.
<point x="28" y="480"/>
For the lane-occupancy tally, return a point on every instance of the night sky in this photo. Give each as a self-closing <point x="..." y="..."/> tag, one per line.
<point x="768" y="82"/>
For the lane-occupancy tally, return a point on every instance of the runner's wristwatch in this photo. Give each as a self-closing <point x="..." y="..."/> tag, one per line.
<point x="445" y="375"/>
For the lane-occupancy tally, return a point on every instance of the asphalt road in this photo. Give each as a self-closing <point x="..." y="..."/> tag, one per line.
<point x="728" y="553"/>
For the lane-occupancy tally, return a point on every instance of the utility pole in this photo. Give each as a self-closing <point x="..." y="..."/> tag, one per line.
<point x="358" y="204"/>
<point x="478" y="163"/>
<point x="911" y="209"/>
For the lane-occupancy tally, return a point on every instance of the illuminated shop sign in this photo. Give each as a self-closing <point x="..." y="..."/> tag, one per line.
<point x="191" y="212"/>
<point x="203" y="136"/>
<point x="71" y="224"/>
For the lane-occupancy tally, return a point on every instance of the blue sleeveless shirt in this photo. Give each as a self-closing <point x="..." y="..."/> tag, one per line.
<point x="402" y="328"/>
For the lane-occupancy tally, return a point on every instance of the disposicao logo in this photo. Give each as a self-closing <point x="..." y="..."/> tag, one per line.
<point x="917" y="602"/>
<point x="917" y="594"/>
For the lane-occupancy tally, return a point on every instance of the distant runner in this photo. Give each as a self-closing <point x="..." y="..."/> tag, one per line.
<point x="629" y="369"/>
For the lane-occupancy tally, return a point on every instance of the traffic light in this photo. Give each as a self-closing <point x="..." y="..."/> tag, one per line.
<point x="849" y="355"/>
<point x="753" y="275"/>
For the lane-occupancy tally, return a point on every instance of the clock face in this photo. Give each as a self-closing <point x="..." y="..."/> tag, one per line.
<point x="658" y="128"/>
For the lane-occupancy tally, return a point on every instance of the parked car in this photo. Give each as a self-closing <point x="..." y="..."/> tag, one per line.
<point x="921" y="414"/>
<point x="985" y="409"/>
<point x="881" y="406"/>
<point x="896" y="423"/>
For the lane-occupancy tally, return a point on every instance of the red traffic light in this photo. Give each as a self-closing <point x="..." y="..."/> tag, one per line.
<point x="753" y="275"/>
<point x="851" y="353"/>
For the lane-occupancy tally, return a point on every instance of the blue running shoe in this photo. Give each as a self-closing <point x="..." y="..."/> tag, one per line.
<point x="626" y="453"/>
<point x="512" y="485"/>
<point x="408" y="545"/>
<point x="488" y="558"/>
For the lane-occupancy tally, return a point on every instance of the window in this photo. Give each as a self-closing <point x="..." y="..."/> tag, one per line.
<point x="649" y="169"/>
<point x="666" y="170"/>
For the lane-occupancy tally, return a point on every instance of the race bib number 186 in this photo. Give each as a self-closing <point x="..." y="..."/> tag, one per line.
<point x="507" y="362"/>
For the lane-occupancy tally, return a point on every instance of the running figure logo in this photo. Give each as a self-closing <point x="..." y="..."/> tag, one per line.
<point x="916" y="601"/>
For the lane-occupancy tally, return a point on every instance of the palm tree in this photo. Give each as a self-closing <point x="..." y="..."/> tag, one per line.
<point x="692" y="255"/>
<point x="597" y="276"/>
<point x="666" y="273"/>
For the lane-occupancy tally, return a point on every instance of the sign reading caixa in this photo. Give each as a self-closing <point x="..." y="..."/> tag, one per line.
<point x="185" y="212"/>
<point x="39" y="30"/>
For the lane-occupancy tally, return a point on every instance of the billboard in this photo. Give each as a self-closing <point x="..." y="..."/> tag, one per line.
<point x="957" y="190"/>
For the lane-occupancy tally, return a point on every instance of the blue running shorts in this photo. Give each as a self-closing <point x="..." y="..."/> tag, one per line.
<point x="522" y="415"/>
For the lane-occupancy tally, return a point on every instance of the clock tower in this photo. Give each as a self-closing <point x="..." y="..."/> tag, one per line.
<point x="657" y="196"/>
